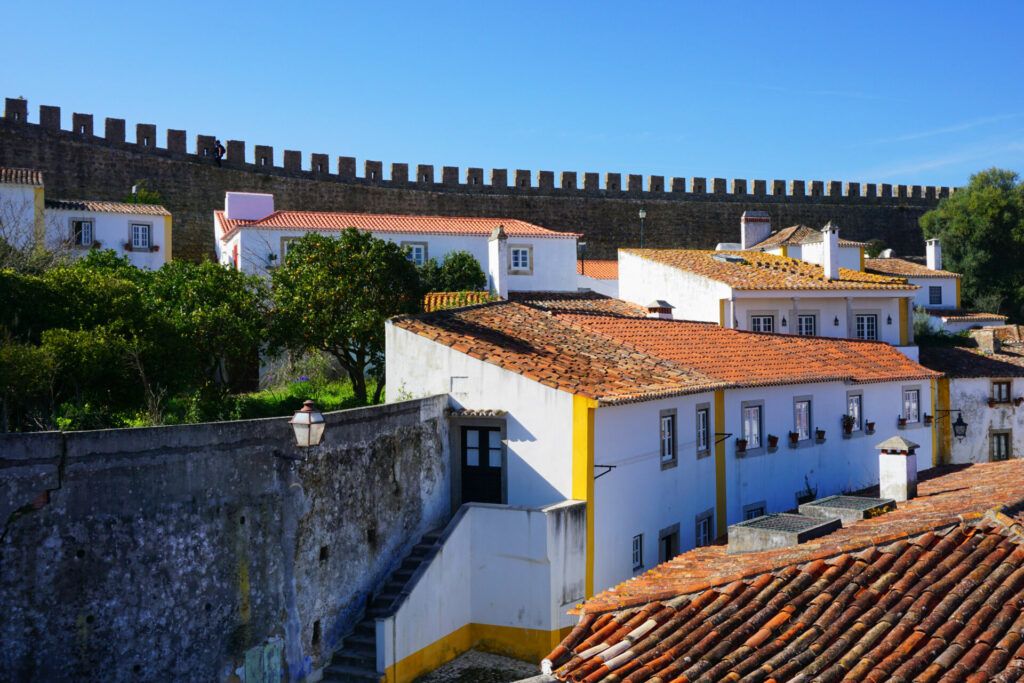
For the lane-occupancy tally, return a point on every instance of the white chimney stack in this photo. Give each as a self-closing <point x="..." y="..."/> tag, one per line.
<point x="933" y="254"/>
<point x="247" y="206"/>
<point x="755" y="226"/>
<point x="660" y="309"/>
<point x="830" y="251"/>
<point x="897" y="469"/>
<point x="497" y="261"/>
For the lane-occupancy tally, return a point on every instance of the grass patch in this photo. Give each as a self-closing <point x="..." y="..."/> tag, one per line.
<point x="286" y="399"/>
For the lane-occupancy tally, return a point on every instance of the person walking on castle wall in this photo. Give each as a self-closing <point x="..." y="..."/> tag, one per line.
<point x="218" y="151"/>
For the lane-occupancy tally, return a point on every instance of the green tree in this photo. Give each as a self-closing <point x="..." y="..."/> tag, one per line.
<point x="143" y="195"/>
<point x="458" y="272"/>
<point x="335" y="295"/>
<point x="874" y="247"/>
<point x="981" y="228"/>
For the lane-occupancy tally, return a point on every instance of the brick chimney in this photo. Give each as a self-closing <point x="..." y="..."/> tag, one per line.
<point x="897" y="469"/>
<point x="933" y="254"/>
<point x="830" y="251"/>
<point x="497" y="261"/>
<point x="247" y="206"/>
<point x="755" y="226"/>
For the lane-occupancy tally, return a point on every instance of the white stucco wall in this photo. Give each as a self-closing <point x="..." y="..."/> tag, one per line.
<point x="17" y="212"/>
<point x="500" y="566"/>
<point x="113" y="231"/>
<point x="538" y="424"/>
<point x="693" y="296"/>
<point x="921" y="297"/>
<point x="849" y="257"/>
<point x="970" y="396"/>
<point x="599" y="285"/>
<point x="826" y="307"/>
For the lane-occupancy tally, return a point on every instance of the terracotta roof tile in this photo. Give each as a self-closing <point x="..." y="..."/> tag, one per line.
<point x="595" y="268"/>
<point x="20" y="176"/>
<point x="439" y="301"/>
<point x="106" y="207"/>
<point x="751" y="270"/>
<point x="579" y="302"/>
<point x="899" y="267"/>
<point x="964" y="361"/>
<point x="954" y="315"/>
<point x="797" y="234"/>
<point x="931" y="591"/>
<point x="377" y="222"/>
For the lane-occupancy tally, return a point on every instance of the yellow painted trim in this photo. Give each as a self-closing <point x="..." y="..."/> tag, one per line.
<point x="521" y="643"/>
<point x="943" y="435"/>
<point x="168" y="232"/>
<point x="721" y="516"/>
<point x="721" y="313"/>
<point x="784" y="250"/>
<point x="904" y="322"/>
<point x="862" y="259"/>
<point x="958" y="292"/>
<point x="583" y="472"/>
<point x="39" y="216"/>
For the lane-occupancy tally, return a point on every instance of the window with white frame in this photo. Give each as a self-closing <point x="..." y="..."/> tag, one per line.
<point x="638" y="551"/>
<point x="754" y="511"/>
<point x="286" y="245"/>
<point x="1001" y="391"/>
<point x="762" y="323"/>
<point x="520" y="259"/>
<point x="802" y="418"/>
<point x="912" y="405"/>
<point x="140" y="236"/>
<point x="82" y="232"/>
<point x="999" y="444"/>
<point x="667" y="433"/>
<point x="703" y="430"/>
<point x="704" y="534"/>
<point x="935" y="295"/>
<point x="866" y="326"/>
<point x="752" y="425"/>
<point x="855" y="409"/>
<point x="416" y="252"/>
<point x="807" y="325"/>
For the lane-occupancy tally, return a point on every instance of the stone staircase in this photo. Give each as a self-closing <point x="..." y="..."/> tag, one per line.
<point x="355" y="661"/>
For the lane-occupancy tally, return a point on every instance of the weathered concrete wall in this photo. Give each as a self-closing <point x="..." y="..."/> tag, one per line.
<point x="698" y="213"/>
<point x="186" y="553"/>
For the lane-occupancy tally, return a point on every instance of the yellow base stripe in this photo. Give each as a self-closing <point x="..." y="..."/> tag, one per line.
<point x="721" y="516"/>
<point x="527" y="644"/>
<point x="583" y="472"/>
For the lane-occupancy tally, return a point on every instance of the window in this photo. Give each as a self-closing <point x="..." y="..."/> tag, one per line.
<point x="752" y="426"/>
<point x="802" y="418"/>
<point x="867" y="326"/>
<point x="140" y="236"/>
<point x="854" y="408"/>
<point x="754" y="511"/>
<point x="638" y="551"/>
<point x="82" y="232"/>
<point x="762" y="323"/>
<point x="667" y="436"/>
<point x="807" y="325"/>
<point x="416" y="252"/>
<point x="912" y="405"/>
<point x="520" y="260"/>
<point x="668" y="543"/>
<point x="286" y="244"/>
<point x="1000" y="446"/>
<point x="1001" y="392"/>
<point x="703" y="430"/>
<point x="704" y="535"/>
<point x="935" y="295"/>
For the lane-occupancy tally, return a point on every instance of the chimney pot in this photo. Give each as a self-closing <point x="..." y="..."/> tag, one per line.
<point x="830" y="251"/>
<point x="933" y="254"/>
<point x="755" y="226"/>
<point x="897" y="469"/>
<point x="660" y="309"/>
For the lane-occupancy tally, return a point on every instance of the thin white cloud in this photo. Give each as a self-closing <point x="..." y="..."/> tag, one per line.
<point x="945" y="130"/>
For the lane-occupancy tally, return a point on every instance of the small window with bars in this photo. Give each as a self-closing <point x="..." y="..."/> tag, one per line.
<point x="866" y="326"/>
<point x="1001" y="392"/>
<point x="762" y="323"/>
<point x="1000" y="446"/>
<point x="140" y="236"/>
<point x="703" y="430"/>
<point x="638" y="551"/>
<point x="82" y="233"/>
<point x="935" y="295"/>
<point x="520" y="259"/>
<point x="704" y="535"/>
<point x="667" y="435"/>
<point x="807" y="325"/>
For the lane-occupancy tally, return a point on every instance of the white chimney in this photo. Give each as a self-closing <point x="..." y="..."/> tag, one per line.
<point x="933" y="254"/>
<point x="897" y="469"/>
<point x="660" y="309"/>
<point x="497" y="261"/>
<point x="830" y="251"/>
<point x="247" y="206"/>
<point x="755" y="226"/>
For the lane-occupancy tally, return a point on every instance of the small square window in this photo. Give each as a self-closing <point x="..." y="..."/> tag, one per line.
<point x="667" y="437"/>
<point x="140" y="236"/>
<point x="704" y="534"/>
<point x="866" y="326"/>
<point x="912" y="405"/>
<point x="806" y="325"/>
<point x="520" y="260"/>
<point x="1000" y="445"/>
<point x="286" y="245"/>
<point x="668" y="543"/>
<point x="1001" y="392"/>
<point x="762" y="323"/>
<point x="754" y="511"/>
<point x="83" y="233"/>
<point x="935" y="295"/>
<point x="638" y="551"/>
<point x="416" y="252"/>
<point x="703" y="430"/>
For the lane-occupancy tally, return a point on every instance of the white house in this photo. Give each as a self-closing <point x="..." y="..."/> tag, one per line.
<point x="765" y="292"/>
<point x="667" y="430"/>
<point x="517" y="256"/>
<point x="140" y="232"/>
<point x="797" y="241"/>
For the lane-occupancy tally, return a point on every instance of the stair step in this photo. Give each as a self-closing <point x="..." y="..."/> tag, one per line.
<point x="359" y="649"/>
<point x="357" y="641"/>
<point x="342" y="673"/>
<point x="356" y="660"/>
<point x="432" y="536"/>
<point x="387" y="597"/>
<point x="366" y="627"/>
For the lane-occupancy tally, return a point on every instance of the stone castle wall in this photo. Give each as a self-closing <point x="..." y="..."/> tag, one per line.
<point x="695" y="212"/>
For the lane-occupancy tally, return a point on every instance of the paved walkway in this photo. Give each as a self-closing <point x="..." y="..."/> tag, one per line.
<point x="481" y="667"/>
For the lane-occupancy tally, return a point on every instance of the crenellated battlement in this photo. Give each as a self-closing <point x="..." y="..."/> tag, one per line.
<point x="317" y="166"/>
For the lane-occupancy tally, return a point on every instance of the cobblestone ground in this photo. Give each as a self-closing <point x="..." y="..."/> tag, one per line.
<point x="481" y="667"/>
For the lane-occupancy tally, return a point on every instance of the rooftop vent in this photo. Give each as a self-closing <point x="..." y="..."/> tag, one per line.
<point x="780" y="530"/>
<point x="848" y="509"/>
<point x="886" y="253"/>
<point x="728" y="246"/>
<point x="659" y="309"/>
<point x="729" y="258"/>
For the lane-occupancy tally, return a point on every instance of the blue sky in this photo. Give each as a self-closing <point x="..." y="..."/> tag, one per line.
<point x="911" y="92"/>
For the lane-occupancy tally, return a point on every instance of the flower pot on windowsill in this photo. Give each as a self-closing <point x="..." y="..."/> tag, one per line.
<point x="1017" y="401"/>
<point x="794" y="439"/>
<point x="773" y="443"/>
<point x="869" y="427"/>
<point x="901" y="422"/>
<point x="819" y="435"/>
<point x="741" y="446"/>
<point x="127" y="246"/>
<point x="97" y="244"/>
<point x="927" y="420"/>
<point x="155" y="248"/>
<point x="991" y="403"/>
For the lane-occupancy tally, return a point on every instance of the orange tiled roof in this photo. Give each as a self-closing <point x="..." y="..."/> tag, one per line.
<point x="759" y="359"/>
<point x="761" y="271"/>
<point x="536" y="344"/>
<point x="899" y="267"/>
<point x="20" y="176"/>
<point x="797" y="234"/>
<point x="383" y="222"/>
<point x="955" y="315"/>
<point x="440" y="301"/>
<point x="601" y="270"/>
<point x="969" y="361"/>
<point x="579" y="302"/>
<point x="106" y="207"/>
<point x="931" y="591"/>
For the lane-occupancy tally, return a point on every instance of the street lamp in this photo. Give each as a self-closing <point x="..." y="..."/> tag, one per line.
<point x="581" y="251"/>
<point x="643" y="215"/>
<point x="308" y="424"/>
<point x="959" y="426"/>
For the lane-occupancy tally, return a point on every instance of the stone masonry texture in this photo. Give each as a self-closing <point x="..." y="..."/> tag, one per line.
<point x="79" y="166"/>
<point x="187" y="553"/>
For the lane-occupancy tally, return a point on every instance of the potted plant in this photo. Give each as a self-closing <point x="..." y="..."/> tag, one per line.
<point x="1017" y="401"/>
<point x="794" y="438"/>
<point x="901" y="421"/>
<point x="97" y="244"/>
<point x="991" y="403"/>
<point x="741" y="445"/>
<point x="127" y="246"/>
<point x="927" y="419"/>
<point x="155" y="247"/>
<point x="869" y="426"/>
<point x="848" y="423"/>
<point x="819" y="435"/>
<point x="773" y="441"/>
